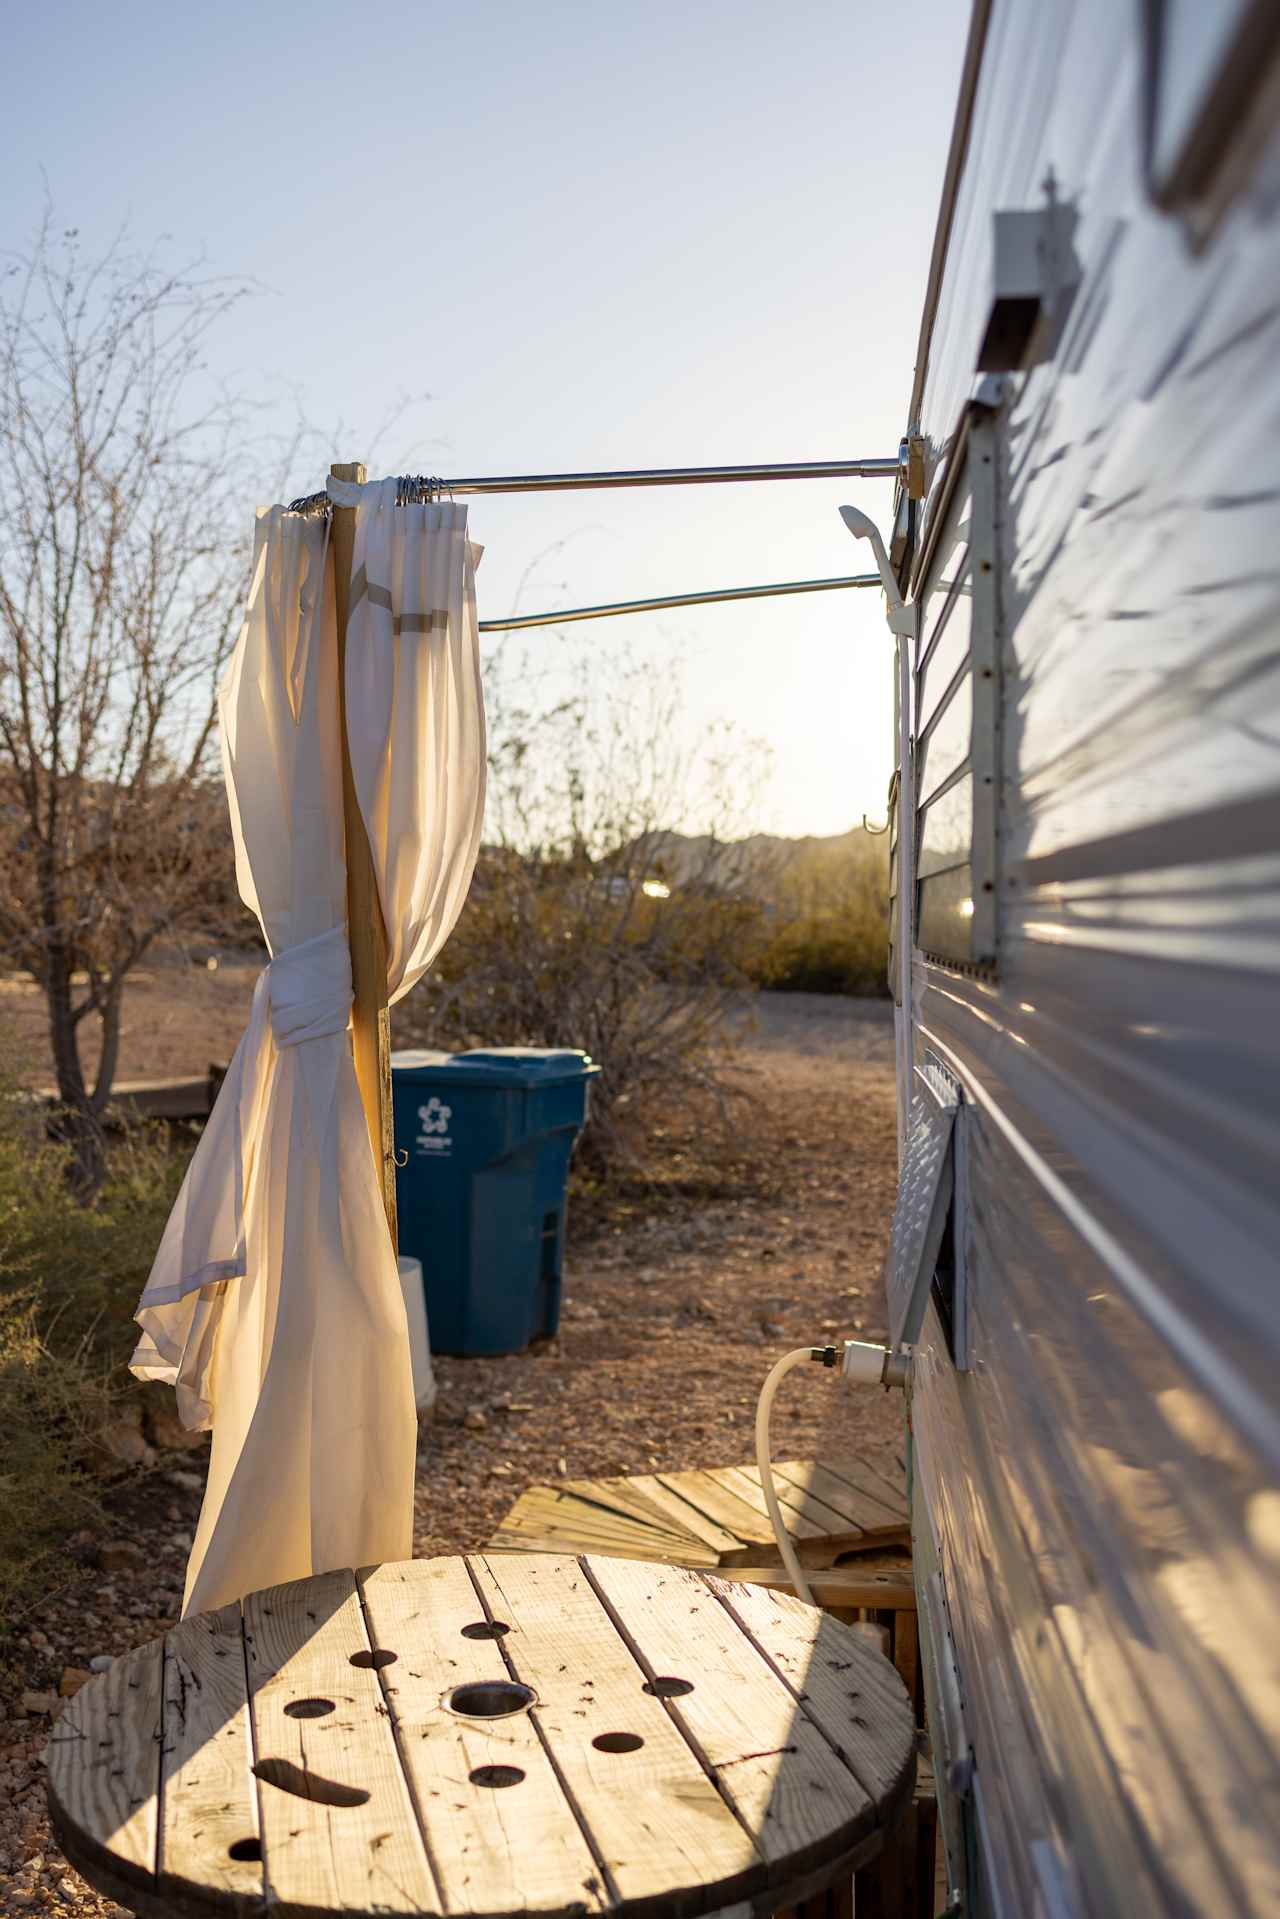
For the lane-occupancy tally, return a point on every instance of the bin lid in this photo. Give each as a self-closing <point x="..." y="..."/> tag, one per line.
<point x="512" y="1066"/>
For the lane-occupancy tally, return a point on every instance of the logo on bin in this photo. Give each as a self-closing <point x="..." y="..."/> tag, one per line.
<point x="434" y="1118"/>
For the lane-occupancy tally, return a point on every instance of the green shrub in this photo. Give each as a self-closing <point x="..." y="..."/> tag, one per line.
<point x="70" y="1277"/>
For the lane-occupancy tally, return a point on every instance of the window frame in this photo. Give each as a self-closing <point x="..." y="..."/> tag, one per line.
<point x="972" y="472"/>
<point x="1201" y="140"/>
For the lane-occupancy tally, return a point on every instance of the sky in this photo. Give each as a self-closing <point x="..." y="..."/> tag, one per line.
<point x="595" y="235"/>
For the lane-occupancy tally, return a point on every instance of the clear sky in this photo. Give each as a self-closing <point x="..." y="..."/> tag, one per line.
<point x="597" y="235"/>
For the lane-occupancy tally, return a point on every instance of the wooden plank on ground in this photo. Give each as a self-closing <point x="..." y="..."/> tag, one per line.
<point x="822" y="1520"/>
<point x="854" y="1506"/>
<point x="683" y="1516"/>
<point x="104" y="1769"/>
<point x="620" y="1499"/>
<point x="880" y="1582"/>
<point x="852" y="1690"/>
<point x="657" y="1819"/>
<point x="338" y="1825"/>
<point x="500" y="1847"/>
<point x="771" y="1760"/>
<point x="875" y="1482"/>
<point x="717" y="1503"/>
<point x="573" y="1524"/>
<point x="210" y="1837"/>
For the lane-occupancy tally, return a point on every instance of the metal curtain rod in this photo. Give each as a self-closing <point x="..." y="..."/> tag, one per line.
<point x="425" y="487"/>
<point x="516" y="622"/>
<point x="678" y="476"/>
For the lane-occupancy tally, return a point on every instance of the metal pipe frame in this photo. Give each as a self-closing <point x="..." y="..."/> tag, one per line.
<point x="421" y="487"/>
<point x="518" y="622"/>
<point x="889" y="469"/>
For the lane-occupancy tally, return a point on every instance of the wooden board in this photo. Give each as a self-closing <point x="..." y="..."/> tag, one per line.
<point x="777" y="1766"/>
<point x="338" y="1826"/>
<point x="859" y="1506"/>
<point x="874" y="1582"/>
<point x="645" y="1741"/>
<point x="656" y="1816"/>
<point x="104" y="1770"/>
<point x="715" y="1518"/>
<point x="211" y="1834"/>
<point x="427" y="1612"/>
<point x="854" y="1699"/>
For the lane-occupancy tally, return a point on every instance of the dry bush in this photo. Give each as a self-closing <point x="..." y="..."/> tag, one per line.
<point x="593" y="922"/>
<point x="830" y="902"/>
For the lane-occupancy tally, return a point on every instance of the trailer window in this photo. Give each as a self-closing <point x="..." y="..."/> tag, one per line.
<point x="956" y="717"/>
<point x="1210" y="102"/>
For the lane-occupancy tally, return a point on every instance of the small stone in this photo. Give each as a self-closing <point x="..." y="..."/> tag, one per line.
<point x="773" y="1329"/>
<point x="169" y="1433"/>
<point x="73" y="1677"/>
<point x="475" y="1421"/>
<point x="101" y="1662"/>
<point x="122" y="1441"/>
<point x="189" y="1482"/>
<point x="121" y="1556"/>
<point x="37" y="1638"/>
<point x="83" y="1547"/>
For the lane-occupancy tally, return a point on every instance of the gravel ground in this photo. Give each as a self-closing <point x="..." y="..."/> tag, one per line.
<point x="681" y="1289"/>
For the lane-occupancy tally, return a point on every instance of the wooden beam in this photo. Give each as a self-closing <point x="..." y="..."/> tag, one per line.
<point x="366" y="932"/>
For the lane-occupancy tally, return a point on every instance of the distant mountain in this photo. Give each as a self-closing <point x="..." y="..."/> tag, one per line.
<point x="764" y="857"/>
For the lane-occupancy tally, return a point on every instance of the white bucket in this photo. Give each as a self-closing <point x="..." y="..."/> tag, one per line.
<point x="415" y="1306"/>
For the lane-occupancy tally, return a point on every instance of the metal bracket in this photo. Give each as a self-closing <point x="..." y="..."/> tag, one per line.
<point x="1035" y="274"/>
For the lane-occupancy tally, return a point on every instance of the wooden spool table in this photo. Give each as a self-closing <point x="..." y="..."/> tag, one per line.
<point x="532" y="1734"/>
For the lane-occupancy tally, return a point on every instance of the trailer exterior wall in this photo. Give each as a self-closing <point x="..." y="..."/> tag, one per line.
<point x="1100" y="1486"/>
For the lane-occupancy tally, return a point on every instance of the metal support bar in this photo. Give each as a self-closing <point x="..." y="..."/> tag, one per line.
<point x="679" y="476"/>
<point x="516" y="622"/>
<point x="423" y="486"/>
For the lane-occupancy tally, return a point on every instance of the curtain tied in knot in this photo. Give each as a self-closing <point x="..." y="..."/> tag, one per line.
<point x="309" y="988"/>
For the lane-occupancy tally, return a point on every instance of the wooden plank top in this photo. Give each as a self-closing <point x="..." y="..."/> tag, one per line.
<point x="714" y="1518"/>
<point x="552" y="1734"/>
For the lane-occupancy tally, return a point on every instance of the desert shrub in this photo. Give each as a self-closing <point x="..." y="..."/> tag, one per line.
<point x="70" y="1277"/>
<point x="51" y="1405"/>
<point x="573" y="952"/>
<point x="830" y="919"/>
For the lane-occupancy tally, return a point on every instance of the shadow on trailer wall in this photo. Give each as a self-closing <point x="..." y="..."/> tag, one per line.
<point x="1093" y="803"/>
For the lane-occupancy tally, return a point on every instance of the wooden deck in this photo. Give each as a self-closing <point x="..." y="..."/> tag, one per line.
<point x="848" y="1519"/>
<point x="850" y="1524"/>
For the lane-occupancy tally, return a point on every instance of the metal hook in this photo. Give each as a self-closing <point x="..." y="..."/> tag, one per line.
<point x="876" y="832"/>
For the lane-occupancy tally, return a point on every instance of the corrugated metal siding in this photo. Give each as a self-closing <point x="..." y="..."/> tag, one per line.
<point x="1103" y="1484"/>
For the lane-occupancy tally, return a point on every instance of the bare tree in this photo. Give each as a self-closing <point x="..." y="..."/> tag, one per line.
<point x="121" y="576"/>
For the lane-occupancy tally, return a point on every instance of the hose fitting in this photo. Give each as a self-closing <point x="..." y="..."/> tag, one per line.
<point x="869" y="1365"/>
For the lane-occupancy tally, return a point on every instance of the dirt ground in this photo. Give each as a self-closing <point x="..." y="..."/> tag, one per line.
<point x="682" y="1286"/>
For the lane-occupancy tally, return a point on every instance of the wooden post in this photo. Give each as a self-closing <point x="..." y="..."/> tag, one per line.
<point x="366" y="931"/>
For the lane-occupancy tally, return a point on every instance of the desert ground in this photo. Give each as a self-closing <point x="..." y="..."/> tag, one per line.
<point x="684" y="1281"/>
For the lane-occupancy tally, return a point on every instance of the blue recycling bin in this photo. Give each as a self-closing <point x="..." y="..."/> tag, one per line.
<point x="483" y="1142"/>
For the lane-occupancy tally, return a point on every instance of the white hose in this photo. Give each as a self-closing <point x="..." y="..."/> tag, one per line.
<point x="802" y="1356"/>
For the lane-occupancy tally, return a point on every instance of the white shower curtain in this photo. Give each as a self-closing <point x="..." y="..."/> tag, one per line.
<point x="274" y="1304"/>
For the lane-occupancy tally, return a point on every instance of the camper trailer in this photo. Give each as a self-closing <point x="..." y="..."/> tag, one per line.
<point x="1086" y="953"/>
